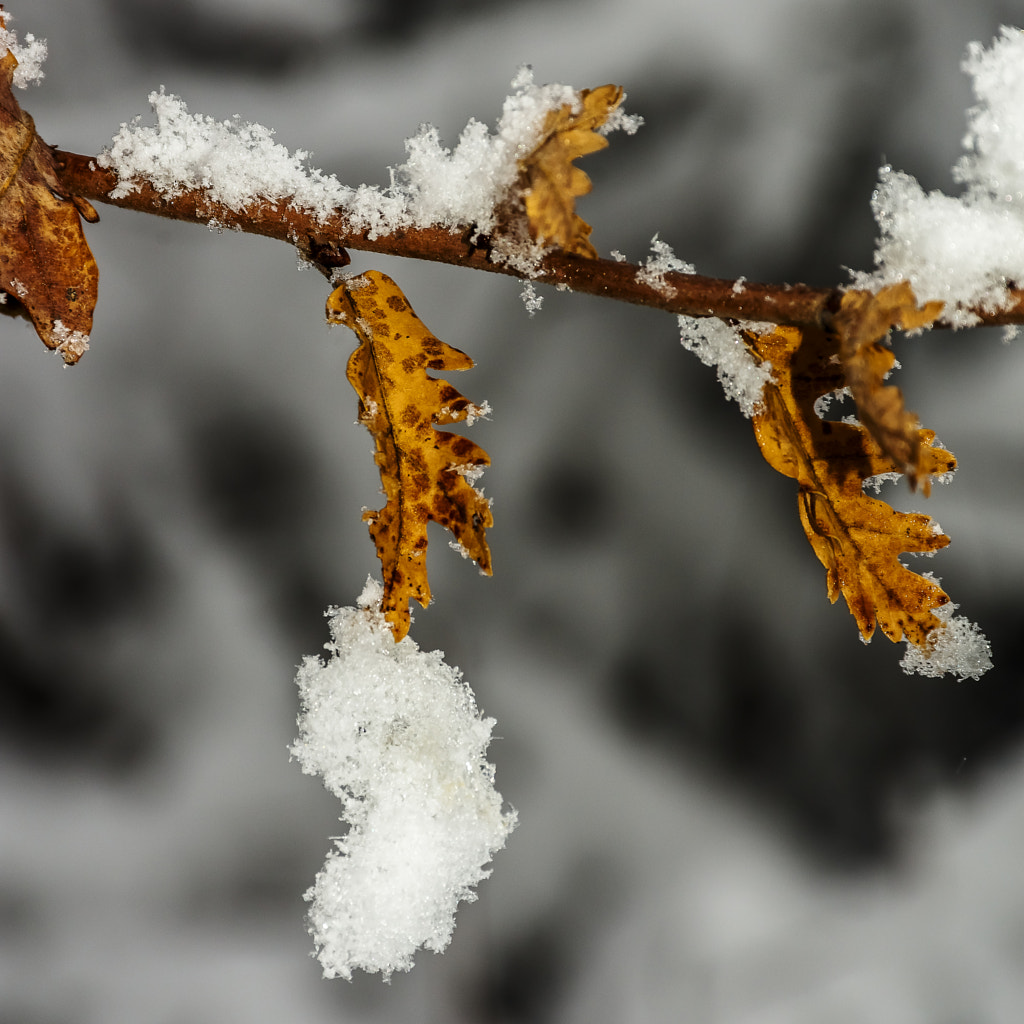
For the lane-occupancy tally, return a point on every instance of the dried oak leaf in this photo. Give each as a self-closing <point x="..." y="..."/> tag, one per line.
<point x="427" y="474"/>
<point x="863" y="322"/>
<point x="858" y="539"/>
<point x="46" y="265"/>
<point x="553" y="182"/>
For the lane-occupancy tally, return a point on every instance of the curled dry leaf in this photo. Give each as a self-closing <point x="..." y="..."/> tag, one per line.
<point x="859" y="539"/>
<point x="426" y="473"/>
<point x="47" y="266"/>
<point x="553" y="182"/>
<point x="863" y="322"/>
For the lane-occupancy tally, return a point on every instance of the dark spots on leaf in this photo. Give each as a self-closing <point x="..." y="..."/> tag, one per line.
<point x="417" y="466"/>
<point x="396" y="303"/>
<point x="461" y="447"/>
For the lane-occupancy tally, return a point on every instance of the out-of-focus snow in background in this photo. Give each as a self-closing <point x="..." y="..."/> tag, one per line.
<point x="730" y="811"/>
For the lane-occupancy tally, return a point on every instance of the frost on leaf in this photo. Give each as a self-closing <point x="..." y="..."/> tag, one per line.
<point x="726" y="347"/>
<point x="425" y="472"/>
<point x="48" y="269"/>
<point x="859" y="539"/>
<point x="863" y="323"/>
<point x="553" y="182"/>
<point x="395" y="733"/>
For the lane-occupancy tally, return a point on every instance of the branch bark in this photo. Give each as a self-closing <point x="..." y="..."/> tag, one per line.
<point x="794" y="305"/>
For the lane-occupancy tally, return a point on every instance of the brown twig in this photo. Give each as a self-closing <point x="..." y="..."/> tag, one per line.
<point x="796" y="305"/>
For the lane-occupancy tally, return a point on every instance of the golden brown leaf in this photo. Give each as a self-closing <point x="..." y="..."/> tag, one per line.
<point x="858" y="539"/>
<point x="862" y="323"/>
<point x="46" y="266"/>
<point x="553" y="182"/>
<point x="424" y="471"/>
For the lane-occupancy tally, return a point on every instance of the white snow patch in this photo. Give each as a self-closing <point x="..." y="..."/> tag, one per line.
<point x="964" y="251"/>
<point x="396" y="735"/>
<point x="30" y="55"/>
<point x="664" y="261"/>
<point x="721" y="345"/>
<point x="958" y="647"/>
<point x="237" y="163"/>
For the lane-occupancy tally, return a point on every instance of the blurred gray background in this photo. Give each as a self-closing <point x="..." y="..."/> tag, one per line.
<point x="731" y="811"/>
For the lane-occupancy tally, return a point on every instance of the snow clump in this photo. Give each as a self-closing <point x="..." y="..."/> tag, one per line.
<point x="721" y="345"/>
<point x="714" y="342"/>
<point x="237" y="163"/>
<point x="964" y="250"/>
<point x="396" y="735"/>
<point x="958" y="647"/>
<point x="29" y="55"/>
<point x="664" y="261"/>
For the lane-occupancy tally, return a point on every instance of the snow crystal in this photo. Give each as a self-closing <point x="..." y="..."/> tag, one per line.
<point x="396" y="734"/>
<point x="69" y="343"/>
<point x="477" y="412"/>
<point x="237" y="163"/>
<point x="875" y="484"/>
<point x="462" y="550"/>
<point x="958" y="647"/>
<point x="664" y="261"/>
<point x="823" y="402"/>
<point x="964" y="250"/>
<point x="619" y="121"/>
<point x="30" y="55"/>
<point x="719" y="344"/>
<point x="531" y="299"/>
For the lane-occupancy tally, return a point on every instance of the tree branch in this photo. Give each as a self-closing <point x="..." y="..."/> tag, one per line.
<point x="795" y="305"/>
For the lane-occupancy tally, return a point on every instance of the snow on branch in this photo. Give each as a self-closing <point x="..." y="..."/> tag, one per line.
<point x="964" y="251"/>
<point x="238" y="163"/>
